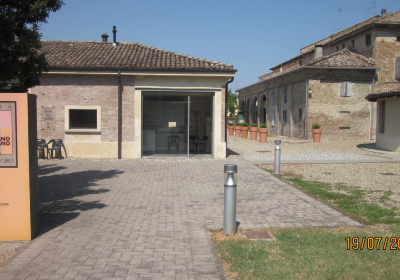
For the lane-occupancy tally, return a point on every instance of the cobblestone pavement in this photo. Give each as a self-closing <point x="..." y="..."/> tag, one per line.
<point x="148" y="218"/>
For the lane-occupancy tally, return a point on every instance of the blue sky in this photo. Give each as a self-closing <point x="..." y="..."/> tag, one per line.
<point x="251" y="35"/>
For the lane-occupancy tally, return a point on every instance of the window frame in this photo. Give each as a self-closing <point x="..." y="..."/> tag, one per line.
<point x="397" y="68"/>
<point x="67" y="108"/>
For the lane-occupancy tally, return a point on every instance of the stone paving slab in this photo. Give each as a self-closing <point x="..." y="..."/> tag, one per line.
<point x="148" y="219"/>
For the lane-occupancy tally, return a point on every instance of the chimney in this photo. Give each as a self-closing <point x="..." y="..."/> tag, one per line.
<point x="104" y="37"/>
<point x="114" y="34"/>
<point x="383" y="12"/>
<point x="319" y="51"/>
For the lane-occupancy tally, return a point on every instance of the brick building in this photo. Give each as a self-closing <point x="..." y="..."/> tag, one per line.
<point x="127" y="100"/>
<point x="328" y="81"/>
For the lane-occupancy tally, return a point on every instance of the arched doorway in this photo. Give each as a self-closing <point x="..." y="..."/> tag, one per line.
<point x="263" y="118"/>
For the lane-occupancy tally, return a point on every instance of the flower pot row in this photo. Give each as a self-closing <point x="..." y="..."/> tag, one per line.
<point x="244" y="130"/>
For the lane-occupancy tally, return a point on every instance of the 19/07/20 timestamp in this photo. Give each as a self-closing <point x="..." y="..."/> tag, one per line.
<point x="371" y="243"/>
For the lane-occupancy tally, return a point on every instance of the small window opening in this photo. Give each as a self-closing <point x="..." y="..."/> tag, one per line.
<point x="381" y="116"/>
<point x="285" y="95"/>
<point x="368" y="39"/>
<point x="352" y="44"/>
<point x="300" y="114"/>
<point x="343" y="46"/>
<point x="337" y="48"/>
<point x="82" y="119"/>
<point x="398" y="38"/>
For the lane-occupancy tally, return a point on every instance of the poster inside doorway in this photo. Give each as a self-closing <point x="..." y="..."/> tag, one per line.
<point x="8" y="137"/>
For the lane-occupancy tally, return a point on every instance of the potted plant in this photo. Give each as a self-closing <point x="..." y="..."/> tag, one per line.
<point x="263" y="132"/>
<point x="238" y="129"/>
<point x="231" y="127"/>
<point x="253" y="131"/>
<point x="316" y="131"/>
<point x="245" y="129"/>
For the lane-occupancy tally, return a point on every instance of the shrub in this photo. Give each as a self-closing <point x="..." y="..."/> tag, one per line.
<point x="245" y="124"/>
<point x="254" y="125"/>
<point x="231" y="123"/>
<point x="263" y="125"/>
<point x="316" y="126"/>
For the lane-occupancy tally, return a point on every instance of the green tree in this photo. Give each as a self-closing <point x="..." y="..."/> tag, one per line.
<point x="21" y="63"/>
<point x="232" y="103"/>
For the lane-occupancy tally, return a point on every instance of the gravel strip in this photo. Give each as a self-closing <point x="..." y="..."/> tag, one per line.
<point x="304" y="150"/>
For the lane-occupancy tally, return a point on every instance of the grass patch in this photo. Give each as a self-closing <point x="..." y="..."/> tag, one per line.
<point x="311" y="253"/>
<point x="351" y="203"/>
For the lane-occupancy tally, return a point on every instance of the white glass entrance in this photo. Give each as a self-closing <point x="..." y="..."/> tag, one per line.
<point x="176" y="124"/>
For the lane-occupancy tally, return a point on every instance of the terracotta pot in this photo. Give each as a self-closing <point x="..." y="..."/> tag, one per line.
<point x="316" y="133"/>
<point x="253" y="133"/>
<point x="238" y="129"/>
<point x="231" y="129"/>
<point x="263" y="135"/>
<point x="245" y="131"/>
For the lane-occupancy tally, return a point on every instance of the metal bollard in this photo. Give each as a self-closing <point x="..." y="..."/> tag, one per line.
<point x="230" y="189"/>
<point x="277" y="168"/>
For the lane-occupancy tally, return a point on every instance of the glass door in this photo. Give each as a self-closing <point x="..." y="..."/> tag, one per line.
<point x="165" y="124"/>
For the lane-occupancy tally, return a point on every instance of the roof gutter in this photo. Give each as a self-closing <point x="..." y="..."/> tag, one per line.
<point x="140" y="69"/>
<point x="226" y="112"/>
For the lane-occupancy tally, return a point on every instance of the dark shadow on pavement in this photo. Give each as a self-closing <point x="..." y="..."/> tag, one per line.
<point x="50" y="168"/>
<point x="229" y="152"/>
<point x="370" y="146"/>
<point x="63" y="196"/>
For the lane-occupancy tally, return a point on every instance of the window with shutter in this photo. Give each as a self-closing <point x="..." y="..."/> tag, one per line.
<point x="345" y="89"/>
<point x="398" y="68"/>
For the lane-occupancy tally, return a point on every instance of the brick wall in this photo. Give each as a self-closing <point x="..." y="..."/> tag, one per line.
<point x="56" y="91"/>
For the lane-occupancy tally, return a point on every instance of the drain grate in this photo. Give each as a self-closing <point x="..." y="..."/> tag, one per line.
<point x="387" y="174"/>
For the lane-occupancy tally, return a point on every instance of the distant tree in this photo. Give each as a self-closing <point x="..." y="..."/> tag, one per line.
<point x="21" y="64"/>
<point x="232" y="103"/>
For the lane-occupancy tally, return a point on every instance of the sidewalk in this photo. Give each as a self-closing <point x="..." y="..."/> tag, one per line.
<point x="149" y="218"/>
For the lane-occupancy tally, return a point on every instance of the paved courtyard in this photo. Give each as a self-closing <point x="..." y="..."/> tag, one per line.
<point x="148" y="219"/>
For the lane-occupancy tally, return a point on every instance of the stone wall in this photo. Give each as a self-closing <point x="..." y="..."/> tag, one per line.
<point x="56" y="91"/>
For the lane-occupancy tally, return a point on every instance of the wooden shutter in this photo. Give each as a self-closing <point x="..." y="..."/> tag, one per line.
<point x="348" y="88"/>
<point x="398" y="68"/>
<point x="343" y="89"/>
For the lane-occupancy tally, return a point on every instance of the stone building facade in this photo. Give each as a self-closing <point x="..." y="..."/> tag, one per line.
<point x="328" y="81"/>
<point x="95" y="94"/>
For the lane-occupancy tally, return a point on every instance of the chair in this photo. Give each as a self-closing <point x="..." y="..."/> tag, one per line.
<point x="56" y="145"/>
<point x="202" y="142"/>
<point x="193" y="139"/>
<point x="41" y="146"/>
<point x="173" y="140"/>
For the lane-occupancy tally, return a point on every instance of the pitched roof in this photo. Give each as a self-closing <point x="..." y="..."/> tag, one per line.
<point x="392" y="18"/>
<point x="343" y="58"/>
<point x="382" y="93"/>
<point x="98" y="55"/>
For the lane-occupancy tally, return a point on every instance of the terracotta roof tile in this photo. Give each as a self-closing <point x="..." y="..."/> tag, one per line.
<point x="98" y="55"/>
<point x="343" y="58"/>
<point x="385" y="92"/>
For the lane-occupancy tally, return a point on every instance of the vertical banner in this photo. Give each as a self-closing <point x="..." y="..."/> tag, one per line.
<point x="8" y="135"/>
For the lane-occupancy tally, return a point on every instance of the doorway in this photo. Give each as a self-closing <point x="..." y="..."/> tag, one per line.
<point x="176" y="124"/>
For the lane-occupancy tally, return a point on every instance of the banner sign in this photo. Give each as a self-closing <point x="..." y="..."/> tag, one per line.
<point x="8" y="134"/>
